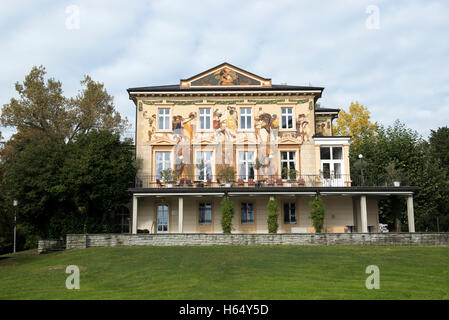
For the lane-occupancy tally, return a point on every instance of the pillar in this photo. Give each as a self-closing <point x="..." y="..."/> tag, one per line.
<point x="410" y="214"/>
<point x="363" y="214"/>
<point x="180" y="214"/>
<point x="134" y="224"/>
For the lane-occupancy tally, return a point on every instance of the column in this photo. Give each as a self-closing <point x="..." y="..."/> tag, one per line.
<point x="180" y="214"/>
<point x="134" y="224"/>
<point x="410" y="214"/>
<point x="363" y="214"/>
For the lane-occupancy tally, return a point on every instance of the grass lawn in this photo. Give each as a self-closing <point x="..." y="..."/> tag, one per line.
<point x="229" y="272"/>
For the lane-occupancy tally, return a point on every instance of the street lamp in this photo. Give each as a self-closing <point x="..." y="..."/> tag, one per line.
<point x="361" y="169"/>
<point x="14" y="203"/>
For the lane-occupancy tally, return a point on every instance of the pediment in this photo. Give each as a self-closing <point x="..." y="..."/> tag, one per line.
<point x="288" y="140"/>
<point x="225" y="75"/>
<point x="162" y="141"/>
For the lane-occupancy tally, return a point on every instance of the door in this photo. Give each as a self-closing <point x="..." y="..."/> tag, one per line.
<point x="332" y="166"/>
<point x="162" y="218"/>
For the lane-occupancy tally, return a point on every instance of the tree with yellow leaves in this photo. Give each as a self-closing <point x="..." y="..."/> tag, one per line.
<point x="354" y="123"/>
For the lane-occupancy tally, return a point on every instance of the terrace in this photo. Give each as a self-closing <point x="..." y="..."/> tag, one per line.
<point x="265" y="181"/>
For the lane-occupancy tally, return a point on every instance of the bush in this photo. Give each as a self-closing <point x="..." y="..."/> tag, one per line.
<point x="227" y="214"/>
<point x="317" y="213"/>
<point x="273" y="215"/>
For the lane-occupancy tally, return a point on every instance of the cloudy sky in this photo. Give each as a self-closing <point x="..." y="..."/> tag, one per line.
<point x="391" y="56"/>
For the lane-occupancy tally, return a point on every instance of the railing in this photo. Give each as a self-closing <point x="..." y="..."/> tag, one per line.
<point x="186" y="181"/>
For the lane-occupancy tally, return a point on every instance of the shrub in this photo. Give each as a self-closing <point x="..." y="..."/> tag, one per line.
<point x="273" y="215"/>
<point x="317" y="213"/>
<point x="227" y="173"/>
<point x="227" y="214"/>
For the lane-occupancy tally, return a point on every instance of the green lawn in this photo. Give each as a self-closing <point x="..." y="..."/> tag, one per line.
<point x="229" y="272"/>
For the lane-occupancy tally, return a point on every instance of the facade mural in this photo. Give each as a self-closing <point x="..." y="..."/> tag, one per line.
<point x="225" y="77"/>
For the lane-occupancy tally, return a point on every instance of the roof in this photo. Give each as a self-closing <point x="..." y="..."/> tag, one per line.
<point x="329" y="110"/>
<point x="177" y="88"/>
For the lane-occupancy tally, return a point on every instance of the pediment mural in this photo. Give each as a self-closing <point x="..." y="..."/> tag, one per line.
<point x="225" y="75"/>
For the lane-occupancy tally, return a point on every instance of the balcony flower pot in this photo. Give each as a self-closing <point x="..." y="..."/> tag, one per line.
<point x="169" y="185"/>
<point x="228" y="185"/>
<point x="397" y="183"/>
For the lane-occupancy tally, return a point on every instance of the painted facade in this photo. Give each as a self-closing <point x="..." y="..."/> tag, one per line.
<point x="275" y="138"/>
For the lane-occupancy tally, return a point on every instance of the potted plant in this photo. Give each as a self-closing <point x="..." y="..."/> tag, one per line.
<point x="227" y="173"/>
<point x="200" y="167"/>
<point x="169" y="176"/>
<point x="292" y="173"/>
<point x="395" y="174"/>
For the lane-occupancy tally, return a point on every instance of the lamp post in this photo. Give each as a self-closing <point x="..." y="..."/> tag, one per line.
<point x="361" y="169"/>
<point x="14" y="203"/>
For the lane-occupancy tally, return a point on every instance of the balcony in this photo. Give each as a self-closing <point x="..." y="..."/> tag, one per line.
<point x="146" y="181"/>
<point x="310" y="180"/>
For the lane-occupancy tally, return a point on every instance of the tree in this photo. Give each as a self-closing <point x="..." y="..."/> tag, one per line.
<point x="411" y="155"/>
<point x="317" y="213"/>
<point x="354" y="123"/>
<point x="439" y="144"/>
<point x="227" y="214"/>
<point x="273" y="214"/>
<point x="74" y="187"/>
<point x="43" y="109"/>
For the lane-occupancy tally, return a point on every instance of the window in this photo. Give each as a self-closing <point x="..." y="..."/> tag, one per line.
<point x="205" y="119"/>
<point x="288" y="161"/>
<point x="162" y="162"/>
<point x="245" y="118"/>
<point x="332" y="165"/>
<point x="164" y="119"/>
<point x="247" y="213"/>
<point x="205" y="214"/>
<point x="287" y="118"/>
<point x="204" y="165"/>
<point x="289" y="213"/>
<point x="246" y="165"/>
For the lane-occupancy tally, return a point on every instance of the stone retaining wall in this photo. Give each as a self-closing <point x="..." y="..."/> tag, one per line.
<point x="77" y="241"/>
<point x="44" y="246"/>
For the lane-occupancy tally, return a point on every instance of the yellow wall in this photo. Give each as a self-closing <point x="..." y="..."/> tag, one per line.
<point x="339" y="214"/>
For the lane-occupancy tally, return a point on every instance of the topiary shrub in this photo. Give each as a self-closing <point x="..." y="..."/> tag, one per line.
<point x="227" y="214"/>
<point x="317" y="213"/>
<point x="273" y="215"/>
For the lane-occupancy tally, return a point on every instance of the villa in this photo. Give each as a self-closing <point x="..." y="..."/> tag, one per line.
<point x="228" y="132"/>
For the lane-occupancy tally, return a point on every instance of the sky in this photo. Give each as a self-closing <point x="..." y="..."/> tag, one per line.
<point x="391" y="56"/>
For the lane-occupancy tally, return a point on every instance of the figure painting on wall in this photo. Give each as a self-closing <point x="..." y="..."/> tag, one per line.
<point x="225" y="123"/>
<point x="274" y="126"/>
<point x="320" y="128"/>
<point x="189" y="126"/>
<point x="151" y="123"/>
<point x="177" y="128"/>
<point x="226" y="76"/>
<point x="301" y="128"/>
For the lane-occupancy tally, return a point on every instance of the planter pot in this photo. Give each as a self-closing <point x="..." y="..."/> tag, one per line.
<point x="397" y="183"/>
<point x="288" y="184"/>
<point x="169" y="185"/>
<point x="227" y="185"/>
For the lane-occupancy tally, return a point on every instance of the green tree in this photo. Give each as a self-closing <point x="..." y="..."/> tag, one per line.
<point x="439" y="144"/>
<point x="317" y="213"/>
<point x="412" y="155"/>
<point x="43" y="109"/>
<point x="227" y="214"/>
<point x="74" y="187"/>
<point x="273" y="214"/>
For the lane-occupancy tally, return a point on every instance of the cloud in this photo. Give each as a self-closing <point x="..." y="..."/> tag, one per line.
<point x="399" y="71"/>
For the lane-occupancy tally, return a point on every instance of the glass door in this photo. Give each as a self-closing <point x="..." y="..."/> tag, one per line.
<point x="162" y="218"/>
<point x="332" y="166"/>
